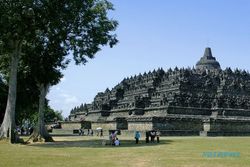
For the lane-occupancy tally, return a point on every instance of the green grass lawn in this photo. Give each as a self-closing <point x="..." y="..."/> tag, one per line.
<point x="77" y="151"/>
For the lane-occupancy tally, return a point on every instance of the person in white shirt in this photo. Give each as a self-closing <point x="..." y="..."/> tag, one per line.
<point x="117" y="142"/>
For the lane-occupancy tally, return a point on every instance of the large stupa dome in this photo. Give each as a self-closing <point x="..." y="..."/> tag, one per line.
<point x="208" y="62"/>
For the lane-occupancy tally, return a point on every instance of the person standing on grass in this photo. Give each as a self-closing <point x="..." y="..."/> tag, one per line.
<point x="80" y="132"/>
<point x="91" y="132"/>
<point x="114" y="134"/>
<point x="158" y="133"/>
<point x="88" y="132"/>
<point x="152" y="134"/>
<point x="137" y="137"/>
<point x="147" y="136"/>
<point x="112" y="138"/>
<point x="101" y="133"/>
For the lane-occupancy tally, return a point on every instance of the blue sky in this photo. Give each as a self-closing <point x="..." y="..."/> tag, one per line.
<point x="159" y="33"/>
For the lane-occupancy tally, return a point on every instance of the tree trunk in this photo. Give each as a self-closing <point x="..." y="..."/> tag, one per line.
<point x="7" y="129"/>
<point x="40" y="133"/>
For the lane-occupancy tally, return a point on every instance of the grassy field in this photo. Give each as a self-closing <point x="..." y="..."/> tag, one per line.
<point x="88" y="151"/>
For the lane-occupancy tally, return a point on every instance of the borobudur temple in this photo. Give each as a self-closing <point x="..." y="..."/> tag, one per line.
<point x="204" y="100"/>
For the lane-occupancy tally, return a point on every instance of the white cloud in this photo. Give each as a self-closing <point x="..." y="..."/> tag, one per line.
<point x="69" y="99"/>
<point x="63" y="79"/>
<point x="62" y="100"/>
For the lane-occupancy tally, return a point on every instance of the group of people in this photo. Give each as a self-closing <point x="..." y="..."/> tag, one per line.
<point x="152" y="134"/>
<point x="90" y="132"/>
<point x="24" y="131"/>
<point x="100" y="133"/>
<point x="116" y="142"/>
<point x="114" y="139"/>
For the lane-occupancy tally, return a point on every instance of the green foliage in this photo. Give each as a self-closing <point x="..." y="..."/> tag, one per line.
<point x="48" y="31"/>
<point x="16" y="23"/>
<point x="31" y="115"/>
<point x="81" y="108"/>
<point x="27" y="96"/>
<point x="51" y="115"/>
<point x="4" y="65"/>
<point x="27" y="102"/>
<point x="81" y="27"/>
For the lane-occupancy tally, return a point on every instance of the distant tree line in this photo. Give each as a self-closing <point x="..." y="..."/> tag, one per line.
<point x="81" y="108"/>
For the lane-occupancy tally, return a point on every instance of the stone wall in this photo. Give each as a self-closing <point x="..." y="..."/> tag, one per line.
<point x="227" y="125"/>
<point x="177" y="124"/>
<point x="121" y="123"/>
<point x="180" y="133"/>
<point x="189" y="110"/>
<point x="119" y="113"/>
<point x="93" y="116"/>
<point x="140" y="126"/>
<point x="236" y="112"/>
<point x="156" y="111"/>
<point x="71" y="125"/>
<point x="104" y="125"/>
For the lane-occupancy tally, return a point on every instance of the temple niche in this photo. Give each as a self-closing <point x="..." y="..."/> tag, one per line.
<point x="204" y="100"/>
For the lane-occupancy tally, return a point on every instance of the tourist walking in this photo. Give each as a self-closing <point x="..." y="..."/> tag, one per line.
<point x="137" y="137"/>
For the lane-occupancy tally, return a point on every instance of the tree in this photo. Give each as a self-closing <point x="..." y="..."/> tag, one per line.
<point x="27" y="96"/>
<point x="16" y="22"/>
<point x="27" y="99"/>
<point x="3" y="97"/>
<point x="51" y="115"/>
<point x="81" y="27"/>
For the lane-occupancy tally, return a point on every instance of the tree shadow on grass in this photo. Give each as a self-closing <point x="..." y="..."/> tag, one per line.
<point x="97" y="143"/>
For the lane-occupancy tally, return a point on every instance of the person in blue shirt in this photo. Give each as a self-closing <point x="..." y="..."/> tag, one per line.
<point x="117" y="142"/>
<point x="137" y="137"/>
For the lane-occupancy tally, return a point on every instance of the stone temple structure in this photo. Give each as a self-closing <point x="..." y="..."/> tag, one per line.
<point x="204" y="100"/>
